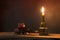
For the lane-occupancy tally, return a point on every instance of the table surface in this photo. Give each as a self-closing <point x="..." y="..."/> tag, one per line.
<point x="30" y="35"/>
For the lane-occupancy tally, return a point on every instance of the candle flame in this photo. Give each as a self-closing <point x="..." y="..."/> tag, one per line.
<point x="42" y="10"/>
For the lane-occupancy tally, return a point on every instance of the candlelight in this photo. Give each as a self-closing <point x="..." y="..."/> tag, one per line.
<point x="42" y="10"/>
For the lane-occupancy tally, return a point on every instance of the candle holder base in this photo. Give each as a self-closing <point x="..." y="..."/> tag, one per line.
<point x="43" y="31"/>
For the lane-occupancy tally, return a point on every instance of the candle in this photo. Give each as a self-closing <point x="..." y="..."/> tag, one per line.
<point x="43" y="10"/>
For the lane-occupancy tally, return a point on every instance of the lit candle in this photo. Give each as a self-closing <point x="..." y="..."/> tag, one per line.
<point x="43" y="28"/>
<point x="43" y="10"/>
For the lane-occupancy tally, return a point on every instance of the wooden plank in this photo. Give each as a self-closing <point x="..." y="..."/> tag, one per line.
<point x="30" y="35"/>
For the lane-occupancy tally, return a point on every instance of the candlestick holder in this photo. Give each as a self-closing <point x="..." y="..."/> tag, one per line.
<point x="43" y="30"/>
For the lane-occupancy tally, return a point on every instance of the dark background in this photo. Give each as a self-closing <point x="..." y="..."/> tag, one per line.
<point x="28" y="11"/>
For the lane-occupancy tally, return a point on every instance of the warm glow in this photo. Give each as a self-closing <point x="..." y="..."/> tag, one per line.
<point x="42" y="10"/>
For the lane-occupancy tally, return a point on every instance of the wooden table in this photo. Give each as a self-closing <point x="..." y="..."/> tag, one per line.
<point x="30" y="35"/>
